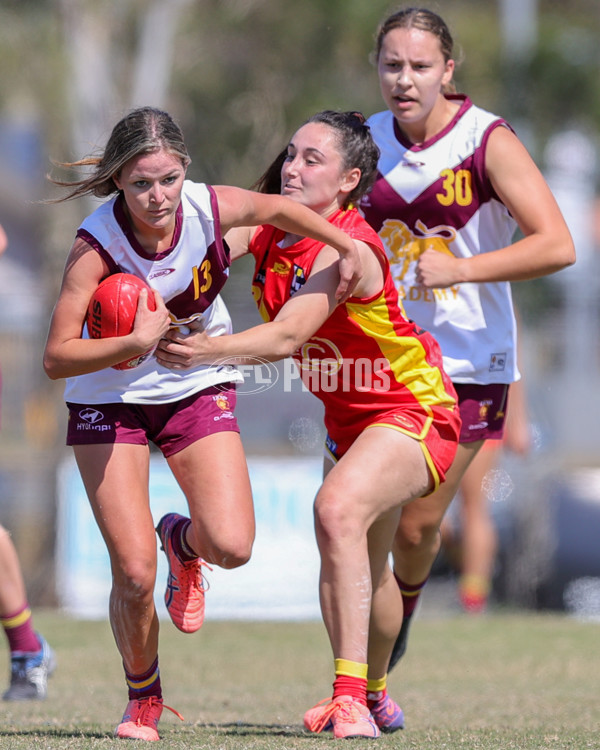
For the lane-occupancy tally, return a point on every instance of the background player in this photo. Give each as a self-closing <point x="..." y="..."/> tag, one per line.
<point x="454" y="183"/>
<point x="469" y="536"/>
<point x="32" y="660"/>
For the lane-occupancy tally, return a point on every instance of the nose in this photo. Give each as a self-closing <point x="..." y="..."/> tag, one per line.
<point x="290" y="166"/>
<point x="404" y="77"/>
<point x="156" y="193"/>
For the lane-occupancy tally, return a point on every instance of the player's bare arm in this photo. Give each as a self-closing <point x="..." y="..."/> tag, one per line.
<point x="238" y="241"/>
<point x="547" y="245"/>
<point x="238" y="207"/>
<point x="66" y="354"/>
<point x="300" y="317"/>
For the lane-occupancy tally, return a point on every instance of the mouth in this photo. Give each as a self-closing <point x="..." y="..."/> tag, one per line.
<point x="403" y="99"/>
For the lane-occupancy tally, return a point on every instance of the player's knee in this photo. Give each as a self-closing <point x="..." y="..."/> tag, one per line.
<point x="135" y="580"/>
<point x="334" y="517"/>
<point x="413" y="538"/>
<point x="230" y="553"/>
<point x="233" y="559"/>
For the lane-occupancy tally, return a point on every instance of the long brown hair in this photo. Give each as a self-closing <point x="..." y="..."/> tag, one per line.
<point x="143" y="131"/>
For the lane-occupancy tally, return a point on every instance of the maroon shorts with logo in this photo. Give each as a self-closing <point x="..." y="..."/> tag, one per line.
<point x="171" y="427"/>
<point x="482" y="410"/>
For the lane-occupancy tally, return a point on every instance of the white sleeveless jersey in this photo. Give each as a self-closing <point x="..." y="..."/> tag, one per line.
<point x="437" y="195"/>
<point x="189" y="276"/>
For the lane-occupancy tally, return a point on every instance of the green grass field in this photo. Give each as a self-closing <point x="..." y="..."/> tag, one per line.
<point x="511" y="680"/>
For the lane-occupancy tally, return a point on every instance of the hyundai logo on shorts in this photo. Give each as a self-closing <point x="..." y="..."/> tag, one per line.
<point x="91" y="415"/>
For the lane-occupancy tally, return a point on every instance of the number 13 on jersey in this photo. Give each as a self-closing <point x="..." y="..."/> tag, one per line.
<point x="202" y="278"/>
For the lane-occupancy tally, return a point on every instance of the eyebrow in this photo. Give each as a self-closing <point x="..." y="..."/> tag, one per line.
<point x="310" y="149"/>
<point x="145" y="176"/>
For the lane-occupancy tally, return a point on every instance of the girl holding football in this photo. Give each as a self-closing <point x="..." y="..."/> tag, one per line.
<point x="390" y="410"/>
<point x="169" y="232"/>
<point x="454" y="183"/>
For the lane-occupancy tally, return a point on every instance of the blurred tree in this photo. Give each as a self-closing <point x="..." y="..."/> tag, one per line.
<point x="270" y="66"/>
<point x="557" y="87"/>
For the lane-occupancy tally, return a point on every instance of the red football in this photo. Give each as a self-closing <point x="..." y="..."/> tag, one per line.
<point x="112" y="309"/>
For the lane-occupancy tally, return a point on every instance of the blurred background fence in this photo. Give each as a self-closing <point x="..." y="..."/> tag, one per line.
<point x="239" y="75"/>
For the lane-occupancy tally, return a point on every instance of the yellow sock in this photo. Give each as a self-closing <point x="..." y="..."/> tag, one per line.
<point x="377" y="686"/>
<point x="474" y="585"/>
<point x="351" y="668"/>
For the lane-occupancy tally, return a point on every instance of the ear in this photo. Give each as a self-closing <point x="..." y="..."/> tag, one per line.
<point x="350" y="180"/>
<point x="117" y="180"/>
<point x="448" y="72"/>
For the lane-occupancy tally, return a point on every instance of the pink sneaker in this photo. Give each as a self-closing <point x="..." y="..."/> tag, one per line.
<point x="345" y="715"/>
<point x="388" y="715"/>
<point x="140" y="720"/>
<point x="184" y="595"/>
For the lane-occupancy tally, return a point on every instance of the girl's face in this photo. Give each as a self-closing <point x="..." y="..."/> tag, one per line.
<point x="412" y="72"/>
<point x="313" y="173"/>
<point x="151" y="185"/>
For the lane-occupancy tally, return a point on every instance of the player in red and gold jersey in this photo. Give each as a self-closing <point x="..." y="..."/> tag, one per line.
<point x="366" y="362"/>
<point x="390" y="410"/>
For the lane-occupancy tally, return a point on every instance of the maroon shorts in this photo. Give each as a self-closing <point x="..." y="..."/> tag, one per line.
<point x="482" y="410"/>
<point x="171" y="427"/>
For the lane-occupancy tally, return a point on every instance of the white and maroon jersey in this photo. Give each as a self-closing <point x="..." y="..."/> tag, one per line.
<point x="189" y="276"/>
<point x="437" y="195"/>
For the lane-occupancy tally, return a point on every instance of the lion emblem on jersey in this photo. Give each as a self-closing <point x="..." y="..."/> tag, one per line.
<point x="405" y="247"/>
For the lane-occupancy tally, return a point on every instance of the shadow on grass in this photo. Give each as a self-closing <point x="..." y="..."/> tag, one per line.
<point x="57" y="733"/>
<point x="233" y="729"/>
<point x="243" y="729"/>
